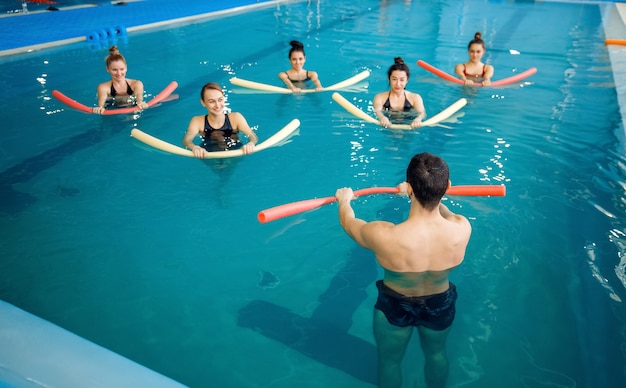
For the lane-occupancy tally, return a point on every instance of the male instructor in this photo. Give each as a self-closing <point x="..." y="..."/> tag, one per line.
<point x="417" y="256"/>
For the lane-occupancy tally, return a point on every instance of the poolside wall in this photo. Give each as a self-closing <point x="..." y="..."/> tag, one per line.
<point x="23" y="33"/>
<point x="614" y="20"/>
<point x="35" y="352"/>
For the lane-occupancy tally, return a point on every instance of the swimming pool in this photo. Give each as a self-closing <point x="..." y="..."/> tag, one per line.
<point x="160" y="258"/>
<point x="15" y="6"/>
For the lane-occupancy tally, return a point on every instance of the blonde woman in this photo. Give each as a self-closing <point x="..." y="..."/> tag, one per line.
<point x="120" y="91"/>
<point x="219" y="130"/>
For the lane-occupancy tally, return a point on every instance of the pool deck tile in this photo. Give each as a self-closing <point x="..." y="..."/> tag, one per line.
<point x="35" y="30"/>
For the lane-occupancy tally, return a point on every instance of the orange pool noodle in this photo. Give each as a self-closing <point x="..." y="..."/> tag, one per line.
<point x="621" y="42"/>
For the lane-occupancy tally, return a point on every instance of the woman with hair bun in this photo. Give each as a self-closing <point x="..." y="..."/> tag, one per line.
<point x="474" y="70"/>
<point x="398" y="103"/>
<point x="120" y="91"/>
<point x="296" y="77"/>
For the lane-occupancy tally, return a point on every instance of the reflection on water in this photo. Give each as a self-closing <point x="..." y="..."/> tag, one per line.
<point x="595" y="271"/>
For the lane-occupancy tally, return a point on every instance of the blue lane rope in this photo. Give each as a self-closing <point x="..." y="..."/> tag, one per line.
<point x="105" y="34"/>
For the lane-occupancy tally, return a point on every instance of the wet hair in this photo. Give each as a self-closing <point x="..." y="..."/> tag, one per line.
<point x="296" y="47"/>
<point x="477" y="40"/>
<point x="210" y="86"/>
<point x="398" y="65"/>
<point x="114" y="55"/>
<point x="428" y="176"/>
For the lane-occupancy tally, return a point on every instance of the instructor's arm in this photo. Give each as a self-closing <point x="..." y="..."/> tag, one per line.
<point x="352" y="225"/>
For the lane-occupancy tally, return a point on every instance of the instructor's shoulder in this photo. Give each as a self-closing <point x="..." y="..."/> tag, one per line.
<point x="378" y="228"/>
<point x="461" y="224"/>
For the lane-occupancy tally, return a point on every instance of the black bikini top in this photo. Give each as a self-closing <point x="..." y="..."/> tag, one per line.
<point x="407" y="105"/>
<point x="129" y="90"/>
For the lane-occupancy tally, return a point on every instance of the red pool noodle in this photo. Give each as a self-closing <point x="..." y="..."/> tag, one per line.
<point x="289" y="209"/>
<point x="451" y="78"/>
<point x="83" y="108"/>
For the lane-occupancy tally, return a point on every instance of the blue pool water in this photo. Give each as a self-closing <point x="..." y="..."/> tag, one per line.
<point x="160" y="258"/>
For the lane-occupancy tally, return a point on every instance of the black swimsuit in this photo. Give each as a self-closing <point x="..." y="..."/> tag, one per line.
<point x="407" y="105"/>
<point x="129" y="90"/>
<point x="299" y="80"/>
<point x="219" y="139"/>
<point x="120" y="101"/>
<point x="435" y="312"/>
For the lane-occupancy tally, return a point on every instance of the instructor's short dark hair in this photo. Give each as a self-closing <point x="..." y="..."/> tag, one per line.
<point x="429" y="177"/>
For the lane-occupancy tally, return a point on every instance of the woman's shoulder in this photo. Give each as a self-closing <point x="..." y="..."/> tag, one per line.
<point x="416" y="100"/>
<point x="199" y="118"/>
<point x="196" y="124"/>
<point x="237" y="121"/>
<point x="381" y="97"/>
<point x="105" y="84"/>
<point x="134" y="82"/>
<point x="234" y="116"/>
<point x="413" y="95"/>
<point x="383" y="94"/>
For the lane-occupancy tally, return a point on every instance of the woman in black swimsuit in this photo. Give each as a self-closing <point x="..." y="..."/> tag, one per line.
<point x="219" y="130"/>
<point x="120" y="89"/>
<point x="295" y="77"/>
<point x="474" y="70"/>
<point x="398" y="99"/>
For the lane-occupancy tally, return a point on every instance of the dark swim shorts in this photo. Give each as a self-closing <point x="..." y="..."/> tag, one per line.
<point x="435" y="312"/>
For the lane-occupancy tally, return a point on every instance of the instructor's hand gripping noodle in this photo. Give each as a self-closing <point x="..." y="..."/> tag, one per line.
<point x="293" y="208"/>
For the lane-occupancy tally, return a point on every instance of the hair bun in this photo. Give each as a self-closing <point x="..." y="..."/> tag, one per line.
<point x="296" y="44"/>
<point x="398" y="60"/>
<point x="478" y="35"/>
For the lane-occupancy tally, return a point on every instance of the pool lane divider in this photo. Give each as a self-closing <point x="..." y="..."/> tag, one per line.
<point x="290" y="209"/>
<point x="448" y="77"/>
<point x="106" y="34"/>
<point x="278" y="139"/>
